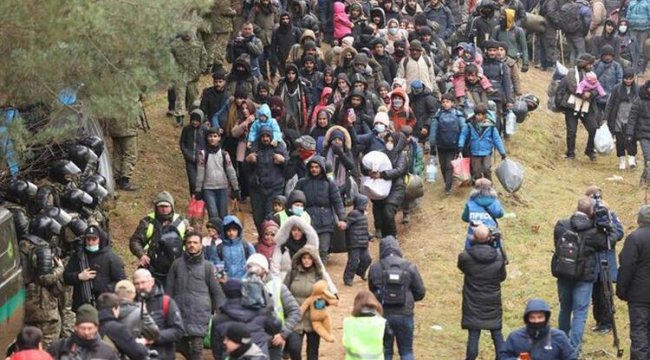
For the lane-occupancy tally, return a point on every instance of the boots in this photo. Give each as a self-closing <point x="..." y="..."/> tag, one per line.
<point x="621" y="162"/>
<point x="179" y="121"/>
<point x="645" y="177"/>
<point x="126" y="184"/>
<point x="631" y="160"/>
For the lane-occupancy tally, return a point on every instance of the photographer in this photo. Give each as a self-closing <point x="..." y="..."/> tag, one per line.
<point x="576" y="270"/>
<point x="246" y="43"/>
<point x="602" y="314"/>
<point x="484" y="268"/>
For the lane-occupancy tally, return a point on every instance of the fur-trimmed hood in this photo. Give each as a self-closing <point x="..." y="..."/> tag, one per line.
<point x="281" y="263"/>
<point x="348" y="139"/>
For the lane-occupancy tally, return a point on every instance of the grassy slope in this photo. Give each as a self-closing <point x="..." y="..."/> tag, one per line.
<point x="433" y="240"/>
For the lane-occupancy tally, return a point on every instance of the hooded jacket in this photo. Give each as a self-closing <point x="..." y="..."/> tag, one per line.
<point x="400" y="164"/>
<point x="170" y="325"/>
<point x="424" y="106"/>
<point x="391" y="254"/>
<point x="356" y="234"/>
<point x="611" y="39"/>
<point x="120" y="335"/>
<point x="484" y="207"/>
<point x="282" y="254"/>
<point x="609" y="74"/>
<point x="234" y="254"/>
<point x="297" y="99"/>
<point x="403" y="115"/>
<point x="617" y="111"/>
<point x="484" y="269"/>
<point x="443" y="16"/>
<point x="633" y="282"/>
<point x="482" y="139"/>
<point x="192" y="141"/>
<point x="254" y="131"/>
<point x="555" y="345"/>
<point x="265" y="16"/>
<point x="639" y="123"/>
<point x="341" y="21"/>
<point x="109" y="267"/>
<point x="323" y="198"/>
<point x="213" y="100"/>
<point x="284" y="37"/>
<point x="266" y="175"/>
<point x="74" y="347"/>
<point x="298" y="50"/>
<point x="245" y="78"/>
<point x="513" y="36"/>
<point x="322" y="104"/>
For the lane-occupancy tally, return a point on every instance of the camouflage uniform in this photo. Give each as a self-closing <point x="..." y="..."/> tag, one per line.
<point x="191" y="59"/>
<point x="216" y="30"/>
<point x="41" y="295"/>
<point x="125" y="146"/>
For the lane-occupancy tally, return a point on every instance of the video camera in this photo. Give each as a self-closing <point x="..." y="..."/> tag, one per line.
<point x="601" y="213"/>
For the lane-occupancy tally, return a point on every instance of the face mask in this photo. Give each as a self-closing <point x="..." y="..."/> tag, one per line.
<point x="397" y="103"/>
<point x="389" y="146"/>
<point x="622" y="29"/>
<point x="537" y="330"/>
<point x="393" y="31"/>
<point x="380" y="128"/>
<point x="92" y="248"/>
<point x="297" y="210"/>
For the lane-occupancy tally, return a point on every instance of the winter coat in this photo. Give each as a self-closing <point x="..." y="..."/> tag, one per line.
<point x="340" y="157"/>
<point x="391" y="254"/>
<point x="109" y="267"/>
<point x="234" y="254"/>
<point x="323" y="198"/>
<point x="499" y="75"/>
<point x="513" y="36"/>
<point x="77" y="348"/>
<point x="264" y="17"/>
<point x="617" y="111"/>
<point x="356" y="234"/>
<point x="258" y="322"/>
<point x="341" y="21"/>
<point x="301" y="281"/>
<point x="246" y="79"/>
<point x="285" y="302"/>
<point x="215" y="170"/>
<point x="137" y="323"/>
<point x="120" y="335"/>
<point x="191" y="59"/>
<point x="480" y="28"/>
<point x="192" y="283"/>
<point x="404" y="115"/>
<point x="388" y="66"/>
<point x="191" y="142"/>
<point x="265" y="174"/>
<point x="484" y="270"/>
<point x="554" y="346"/>
<point x="484" y="207"/>
<point x="170" y="325"/>
<point x="400" y="165"/>
<point x="444" y="115"/>
<point x="425" y="106"/>
<point x="421" y="69"/>
<point x="597" y="43"/>
<point x="633" y="282"/>
<point x="639" y="123"/>
<point x="282" y="255"/>
<point x="616" y="234"/>
<point x="253" y="353"/>
<point x="569" y="86"/>
<point x="297" y="100"/>
<point x="415" y="157"/>
<point x="33" y="354"/>
<point x="443" y="16"/>
<point x="638" y="15"/>
<point x="594" y="240"/>
<point x="284" y="37"/>
<point x="609" y="75"/>
<point x="212" y="101"/>
<point x="482" y="139"/>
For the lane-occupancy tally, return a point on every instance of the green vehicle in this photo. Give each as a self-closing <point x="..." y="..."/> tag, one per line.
<point x="12" y="291"/>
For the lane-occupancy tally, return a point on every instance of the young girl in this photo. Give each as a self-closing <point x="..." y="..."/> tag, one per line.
<point x="319" y="131"/>
<point x="589" y="83"/>
<point x="264" y="119"/>
<point x="266" y="241"/>
<point x="363" y="332"/>
<point x="342" y="24"/>
<point x="465" y="55"/>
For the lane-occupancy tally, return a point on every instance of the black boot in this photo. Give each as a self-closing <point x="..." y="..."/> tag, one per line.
<point x="127" y="185"/>
<point x="179" y="121"/>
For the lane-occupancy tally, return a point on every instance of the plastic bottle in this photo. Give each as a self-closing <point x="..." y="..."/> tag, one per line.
<point x="511" y="123"/>
<point x="432" y="169"/>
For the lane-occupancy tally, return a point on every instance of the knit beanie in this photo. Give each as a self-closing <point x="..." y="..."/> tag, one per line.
<point x="259" y="260"/>
<point x="87" y="314"/>
<point x="643" y="218"/>
<point x="382" y="118"/>
<point x="232" y="288"/>
<point x="238" y="333"/>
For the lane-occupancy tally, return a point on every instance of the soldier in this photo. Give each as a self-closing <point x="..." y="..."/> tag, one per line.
<point x="43" y="276"/>
<point x="125" y="150"/>
<point x="191" y="58"/>
<point x="220" y="26"/>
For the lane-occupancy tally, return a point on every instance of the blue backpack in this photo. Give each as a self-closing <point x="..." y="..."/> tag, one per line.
<point x="448" y="130"/>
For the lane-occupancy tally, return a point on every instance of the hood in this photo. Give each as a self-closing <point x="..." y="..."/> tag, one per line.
<point x="400" y="143"/>
<point x="347" y="142"/>
<point x="389" y="246"/>
<point x="282" y="236"/>
<point x="327" y="91"/>
<point x="483" y="253"/>
<point x="359" y="93"/>
<point x="607" y="50"/>
<point x="580" y="222"/>
<point x="265" y="110"/>
<point x="278" y="103"/>
<point x="339" y="8"/>
<point x="643" y="92"/>
<point x="293" y="67"/>
<point x="537" y="305"/>
<point x="106" y="315"/>
<point x="311" y="250"/>
<point x="359" y="78"/>
<point x="361" y="59"/>
<point x="643" y="218"/>
<point x="377" y="11"/>
<point x="296" y="196"/>
<point x="266" y="224"/>
<point x="280" y="199"/>
<point x="308" y="34"/>
<point x="401" y="93"/>
<point x="321" y="162"/>
<point x="477" y="194"/>
<point x="163" y="196"/>
<point x="236" y="311"/>
<point x="383" y="84"/>
<point x="303" y="8"/>
<point x="360" y="202"/>
<point x="199" y="113"/>
<point x="264" y="130"/>
<point x="230" y="220"/>
<point x="344" y="77"/>
<point x="263" y="85"/>
<point x="392" y="20"/>
<point x="510" y="18"/>
<point x="243" y="60"/>
<point x="344" y="52"/>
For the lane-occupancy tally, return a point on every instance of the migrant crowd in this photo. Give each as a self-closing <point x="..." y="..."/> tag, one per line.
<point x="312" y="136"/>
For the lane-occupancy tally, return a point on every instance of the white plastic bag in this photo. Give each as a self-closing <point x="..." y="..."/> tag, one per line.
<point x="376" y="189"/>
<point x="603" y="141"/>
<point x="510" y="174"/>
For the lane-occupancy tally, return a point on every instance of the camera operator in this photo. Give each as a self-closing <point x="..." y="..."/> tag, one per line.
<point x="246" y="43"/>
<point x="576" y="270"/>
<point x="604" y="217"/>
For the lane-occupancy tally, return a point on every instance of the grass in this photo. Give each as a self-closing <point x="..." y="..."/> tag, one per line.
<point x="436" y="234"/>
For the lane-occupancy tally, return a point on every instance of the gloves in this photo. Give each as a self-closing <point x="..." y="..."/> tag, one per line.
<point x="524" y="68"/>
<point x="236" y="194"/>
<point x="503" y="156"/>
<point x="338" y="150"/>
<point x="198" y="195"/>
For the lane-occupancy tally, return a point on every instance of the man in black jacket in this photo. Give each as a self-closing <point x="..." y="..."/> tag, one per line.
<point x="191" y="142"/>
<point x="213" y="98"/>
<point x="633" y="284"/>
<point x="575" y="292"/>
<point x="387" y="62"/>
<point x="425" y="106"/>
<point x="192" y="283"/>
<point x="398" y="310"/>
<point x="109" y="327"/>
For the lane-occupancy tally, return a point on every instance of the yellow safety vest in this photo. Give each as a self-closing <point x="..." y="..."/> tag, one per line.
<point x="363" y="337"/>
<point x="275" y="288"/>
<point x="150" y="228"/>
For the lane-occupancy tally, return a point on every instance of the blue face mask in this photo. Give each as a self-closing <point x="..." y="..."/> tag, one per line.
<point x="297" y="210"/>
<point x="380" y="128"/>
<point x="393" y="31"/>
<point x="92" y="248"/>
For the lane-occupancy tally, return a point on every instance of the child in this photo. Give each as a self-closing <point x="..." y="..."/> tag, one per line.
<point x="483" y="137"/>
<point x="589" y="83"/>
<point x="513" y="39"/>
<point x="213" y="240"/>
<point x="342" y="24"/>
<point x="266" y="241"/>
<point x="415" y="157"/>
<point x="444" y="132"/>
<point x="617" y="112"/>
<point x="295" y="207"/>
<point x="465" y="55"/>
<point x="319" y="131"/>
<point x="279" y="204"/>
<point x="512" y="65"/>
<point x="234" y="250"/>
<point x="357" y="237"/>
<point x="264" y="119"/>
<point x="482" y="207"/>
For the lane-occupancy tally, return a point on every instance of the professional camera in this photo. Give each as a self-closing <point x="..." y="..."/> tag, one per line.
<point x="601" y="213"/>
<point x="495" y="237"/>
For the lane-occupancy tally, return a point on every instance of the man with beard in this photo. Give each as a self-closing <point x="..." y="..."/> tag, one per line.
<point x="247" y="43"/>
<point x="388" y="64"/>
<point x="295" y="93"/>
<point x="213" y="98"/>
<point x="283" y="38"/>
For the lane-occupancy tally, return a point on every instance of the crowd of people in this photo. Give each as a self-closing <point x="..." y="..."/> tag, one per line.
<point x="313" y="136"/>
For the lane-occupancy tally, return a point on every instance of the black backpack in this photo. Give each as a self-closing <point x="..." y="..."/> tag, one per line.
<point x="394" y="284"/>
<point x="448" y="131"/>
<point x="569" y="18"/>
<point x="568" y="260"/>
<point x="167" y="247"/>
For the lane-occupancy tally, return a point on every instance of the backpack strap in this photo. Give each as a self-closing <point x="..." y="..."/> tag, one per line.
<point x="165" y="309"/>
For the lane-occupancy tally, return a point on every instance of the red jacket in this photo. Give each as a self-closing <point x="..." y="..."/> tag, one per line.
<point x="31" y="355"/>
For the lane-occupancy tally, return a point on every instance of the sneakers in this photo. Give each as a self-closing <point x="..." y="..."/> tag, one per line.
<point x="602" y="329"/>
<point x="377" y="233"/>
<point x="621" y="162"/>
<point x="406" y="219"/>
<point x="631" y="160"/>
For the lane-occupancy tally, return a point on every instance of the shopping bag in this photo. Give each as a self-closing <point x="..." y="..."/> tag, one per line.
<point x="195" y="208"/>
<point x="510" y="174"/>
<point x="460" y="171"/>
<point x="603" y="141"/>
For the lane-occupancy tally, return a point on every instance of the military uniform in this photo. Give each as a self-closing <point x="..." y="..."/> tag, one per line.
<point x="42" y="291"/>
<point x="191" y="59"/>
<point x="125" y="148"/>
<point x="219" y="21"/>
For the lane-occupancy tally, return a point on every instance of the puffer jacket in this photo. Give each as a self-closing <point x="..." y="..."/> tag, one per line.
<point x="391" y="254"/>
<point x="300" y="282"/>
<point x="170" y="325"/>
<point x="639" y="123"/>
<point x="323" y="198"/>
<point x="633" y="282"/>
<point x="482" y="139"/>
<point x="282" y="255"/>
<point x="266" y="175"/>
<point x="192" y="283"/>
<point x="484" y="207"/>
<point x="234" y="254"/>
<point x="485" y="270"/>
<point x="341" y="21"/>
<point x="638" y="15"/>
<point x="356" y="234"/>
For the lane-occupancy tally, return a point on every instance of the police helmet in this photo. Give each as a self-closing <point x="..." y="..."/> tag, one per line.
<point x="44" y="227"/>
<point x="61" y="170"/>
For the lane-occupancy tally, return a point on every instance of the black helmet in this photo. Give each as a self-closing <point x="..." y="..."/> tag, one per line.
<point x="520" y="109"/>
<point x="81" y="155"/>
<point x="95" y="143"/>
<point x="95" y="190"/>
<point x="98" y="179"/>
<point x="21" y="221"/>
<point x="78" y="226"/>
<point x="62" y="169"/>
<point x="531" y="100"/>
<point x="75" y="200"/>
<point x="44" y="227"/>
<point x="59" y="215"/>
<point x="47" y="196"/>
<point x="22" y="190"/>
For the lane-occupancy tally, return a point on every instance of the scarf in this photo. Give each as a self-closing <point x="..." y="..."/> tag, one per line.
<point x="305" y="154"/>
<point x="340" y="172"/>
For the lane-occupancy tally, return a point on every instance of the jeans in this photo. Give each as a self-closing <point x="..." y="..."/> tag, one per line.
<point x="574" y="297"/>
<point x="473" y="338"/>
<point x="402" y="331"/>
<point x="638" y="57"/>
<point x="639" y="330"/>
<point x="191" y="347"/>
<point x="481" y="167"/>
<point x="294" y="345"/>
<point x="576" y="47"/>
<point x="444" y="159"/>
<point x="571" y="130"/>
<point x="190" y="169"/>
<point x="216" y="201"/>
<point x="358" y="262"/>
<point x="384" y="214"/>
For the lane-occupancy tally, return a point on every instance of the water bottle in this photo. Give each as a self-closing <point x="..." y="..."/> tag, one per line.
<point x="511" y="123"/>
<point x="432" y="169"/>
